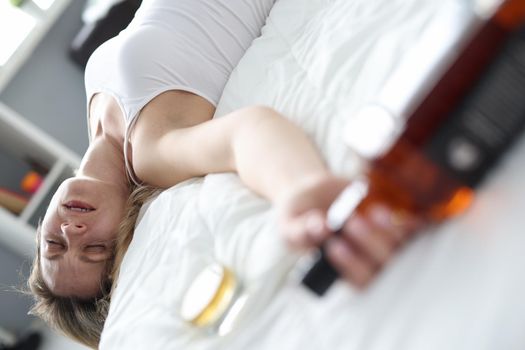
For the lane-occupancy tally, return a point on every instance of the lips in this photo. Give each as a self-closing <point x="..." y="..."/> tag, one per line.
<point x="79" y="207"/>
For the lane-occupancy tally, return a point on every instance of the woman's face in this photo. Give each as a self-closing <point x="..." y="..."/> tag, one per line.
<point x="78" y="234"/>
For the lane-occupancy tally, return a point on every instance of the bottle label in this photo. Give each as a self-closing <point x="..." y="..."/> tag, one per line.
<point x="488" y="120"/>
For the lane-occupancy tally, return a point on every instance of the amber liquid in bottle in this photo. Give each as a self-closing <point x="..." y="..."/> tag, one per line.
<point x="455" y="136"/>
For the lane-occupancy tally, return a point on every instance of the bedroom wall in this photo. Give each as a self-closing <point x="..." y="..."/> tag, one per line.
<point x="48" y="90"/>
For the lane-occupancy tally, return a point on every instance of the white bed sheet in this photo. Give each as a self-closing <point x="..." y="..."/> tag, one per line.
<point x="317" y="62"/>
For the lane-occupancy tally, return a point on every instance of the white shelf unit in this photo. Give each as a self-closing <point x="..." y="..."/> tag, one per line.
<point x="23" y="140"/>
<point x="44" y="19"/>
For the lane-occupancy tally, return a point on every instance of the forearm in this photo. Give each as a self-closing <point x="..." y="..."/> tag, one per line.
<point x="272" y="155"/>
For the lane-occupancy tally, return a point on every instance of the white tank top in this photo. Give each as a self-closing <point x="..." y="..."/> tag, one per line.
<point x="190" y="45"/>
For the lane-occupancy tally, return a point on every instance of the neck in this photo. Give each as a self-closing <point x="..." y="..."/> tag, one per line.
<point x="104" y="161"/>
<point x="104" y="158"/>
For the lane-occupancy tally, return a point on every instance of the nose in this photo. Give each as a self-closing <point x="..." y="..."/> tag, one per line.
<point x="73" y="228"/>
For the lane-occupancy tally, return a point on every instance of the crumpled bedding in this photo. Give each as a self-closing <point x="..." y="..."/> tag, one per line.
<point x="457" y="287"/>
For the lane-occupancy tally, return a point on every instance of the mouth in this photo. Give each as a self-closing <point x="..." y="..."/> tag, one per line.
<point x="78" y="207"/>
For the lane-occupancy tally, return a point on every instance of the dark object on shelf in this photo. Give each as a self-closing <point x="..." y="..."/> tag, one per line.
<point x="92" y="35"/>
<point x="30" y="342"/>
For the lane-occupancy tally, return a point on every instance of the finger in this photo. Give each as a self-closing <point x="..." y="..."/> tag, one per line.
<point x="369" y="240"/>
<point x="307" y="230"/>
<point x="352" y="267"/>
<point x="400" y="224"/>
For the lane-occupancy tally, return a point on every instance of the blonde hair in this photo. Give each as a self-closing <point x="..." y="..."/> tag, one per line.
<point x="80" y="319"/>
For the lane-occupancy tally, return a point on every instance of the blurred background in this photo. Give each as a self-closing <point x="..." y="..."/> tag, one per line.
<point x="44" y="46"/>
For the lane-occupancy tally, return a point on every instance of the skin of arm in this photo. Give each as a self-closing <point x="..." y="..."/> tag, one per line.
<point x="270" y="153"/>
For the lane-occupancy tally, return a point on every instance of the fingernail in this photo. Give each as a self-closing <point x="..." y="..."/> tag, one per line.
<point x="390" y="217"/>
<point x="338" y="248"/>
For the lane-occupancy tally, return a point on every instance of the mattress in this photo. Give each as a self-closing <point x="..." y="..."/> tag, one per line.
<point x="459" y="286"/>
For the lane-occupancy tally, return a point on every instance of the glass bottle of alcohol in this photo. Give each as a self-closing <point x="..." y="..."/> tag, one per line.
<point x="461" y="96"/>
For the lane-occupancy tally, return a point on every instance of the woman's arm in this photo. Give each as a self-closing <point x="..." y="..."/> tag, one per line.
<point x="270" y="153"/>
<point x="276" y="159"/>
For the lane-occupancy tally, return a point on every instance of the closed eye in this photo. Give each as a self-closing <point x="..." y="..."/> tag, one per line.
<point x="54" y="243"/>
<point x="96" y="248"/>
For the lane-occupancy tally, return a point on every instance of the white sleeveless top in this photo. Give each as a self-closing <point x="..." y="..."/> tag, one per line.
<point x="190" y="45"/>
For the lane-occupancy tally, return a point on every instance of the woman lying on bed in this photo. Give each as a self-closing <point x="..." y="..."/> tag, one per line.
<point x="152" y="93"/>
